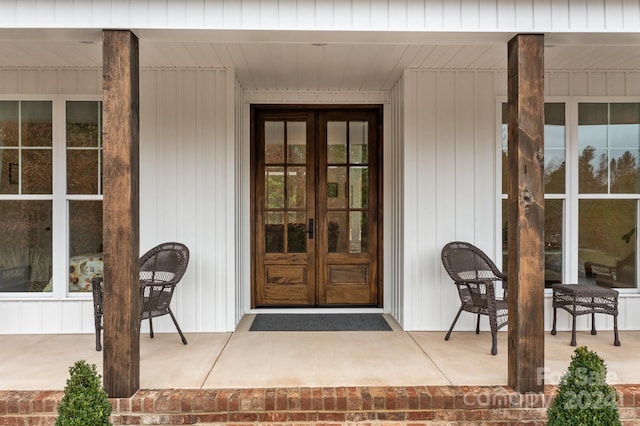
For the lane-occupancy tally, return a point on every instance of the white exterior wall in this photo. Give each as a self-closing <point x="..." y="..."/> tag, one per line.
<point x="451" y="186"/>
<point x="187" y="193"/>
<point x="432" y="15"/>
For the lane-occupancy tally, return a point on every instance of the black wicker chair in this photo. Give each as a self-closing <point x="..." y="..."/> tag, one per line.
<point x="475" y="275"/>
<point x="161" y="269"/>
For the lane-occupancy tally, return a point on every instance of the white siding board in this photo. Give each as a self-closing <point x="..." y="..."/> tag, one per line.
<point x="465" y="191"/>
<point x="631" y="14"/>
<point x="430" y="15"/>
<point x="579" y="83"/>
<point x="484" y="140"/>
<point x="614" y="14"/>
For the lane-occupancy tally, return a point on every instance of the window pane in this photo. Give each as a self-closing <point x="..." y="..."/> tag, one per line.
<point x="36" y="171"/>
<point x="83" y="123"/>
<point x="25" y="252"/>
<point x="554" y="149"/>
<point x="85" y="243"/>
<point x="10" y="174"/>
<point x="609" y="146"/>
<point x="553" y="241"/>
<point x="9" y="123"/>
<point x="83" y="171"/>
<point x="607" y="242"/>
<point x="36" y="123"/>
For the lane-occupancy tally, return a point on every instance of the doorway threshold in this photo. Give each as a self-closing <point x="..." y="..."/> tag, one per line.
<point x="350" y="310"/>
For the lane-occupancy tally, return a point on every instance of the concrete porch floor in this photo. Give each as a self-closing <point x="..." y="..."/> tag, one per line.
<point x="246" y="359"/>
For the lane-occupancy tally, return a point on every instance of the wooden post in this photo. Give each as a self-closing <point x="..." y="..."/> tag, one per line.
<point x="526" y="212"/>
<point x="121" y="213"/>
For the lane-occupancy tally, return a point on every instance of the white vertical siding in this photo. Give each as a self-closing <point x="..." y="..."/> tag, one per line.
<point x="187" y="192"/>
<point x="394" y="206"/>
<point x="451" y="189"/>
<point x="429" y="15"/>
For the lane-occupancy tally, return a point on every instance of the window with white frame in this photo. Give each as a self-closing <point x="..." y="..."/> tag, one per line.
<point x="50" y="160"/>
<point x="555" y="177"/>
<point x="605" y="193"/>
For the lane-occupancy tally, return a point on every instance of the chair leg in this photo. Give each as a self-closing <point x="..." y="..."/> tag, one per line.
<point x="150" y="328"/>
<point x="453" y="324"/>
<point x="478" y="325"/>
<point x="493" y="323"/>
<point x="184" y="341"/>
<point x="98" y="321"/>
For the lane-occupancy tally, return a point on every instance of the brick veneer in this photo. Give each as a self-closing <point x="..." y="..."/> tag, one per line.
<point x="410" y="405"/>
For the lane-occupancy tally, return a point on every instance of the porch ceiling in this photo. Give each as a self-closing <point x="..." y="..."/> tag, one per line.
<point x="330" y="60"/>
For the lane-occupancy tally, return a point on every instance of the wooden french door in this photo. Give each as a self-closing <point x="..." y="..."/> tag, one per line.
<point x="316" y="206"/>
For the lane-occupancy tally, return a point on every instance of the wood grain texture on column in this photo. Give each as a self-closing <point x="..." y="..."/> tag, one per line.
<point x="526" y="212"/>
<point x="121" y="213"/>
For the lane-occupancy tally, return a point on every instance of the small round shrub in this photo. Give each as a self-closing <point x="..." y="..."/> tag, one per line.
<point x="84" y="402"/>
<point x="584" y="397"/>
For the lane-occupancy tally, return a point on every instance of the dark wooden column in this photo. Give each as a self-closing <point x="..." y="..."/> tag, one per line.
<point x="121" y="213"/>
<point x="526" y="212"/>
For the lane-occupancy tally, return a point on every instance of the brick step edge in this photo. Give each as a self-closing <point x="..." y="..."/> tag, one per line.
<point x="329" y="405"/>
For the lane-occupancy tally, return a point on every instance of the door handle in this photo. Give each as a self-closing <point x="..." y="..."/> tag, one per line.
<point x="310" y="229"/>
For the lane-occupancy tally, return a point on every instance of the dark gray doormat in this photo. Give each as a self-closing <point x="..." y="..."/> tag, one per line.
<point x="319" y="322"/>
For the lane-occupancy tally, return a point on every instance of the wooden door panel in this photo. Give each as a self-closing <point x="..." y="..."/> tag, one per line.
<point x="322" y="250"/>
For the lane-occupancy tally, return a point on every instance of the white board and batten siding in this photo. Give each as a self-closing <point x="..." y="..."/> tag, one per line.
<point x="187" y="192"/>
<point x="450" y="188"/>
<point x="431" y="15"/>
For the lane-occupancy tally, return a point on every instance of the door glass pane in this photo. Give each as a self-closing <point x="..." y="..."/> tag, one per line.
<point x="296" y="187"/>
<point x="274" y="142"/>
<point x="358" y="232"/>
<point x="26" y="249"/>
<point x="274" y="232"/>
<point x="85" y="243"/>
<point x="296" y="142"/>
<point x="607" y="242"/>
<point x="336" y="187"/>
<point x="358" y="187"/>
<point x="337" y="232"/>
<point x="297" y="232"/>
<point x="336" y="142"/>
<point x="274" y="187"/>
<point x="358" y="139"/>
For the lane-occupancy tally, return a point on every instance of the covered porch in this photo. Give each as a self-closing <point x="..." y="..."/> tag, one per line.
<point x="251" y="359"/>
<point x="280" y="377"/>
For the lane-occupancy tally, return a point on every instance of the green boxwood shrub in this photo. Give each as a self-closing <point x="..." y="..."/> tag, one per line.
<point x="584" y="397"/>
<point x="84" y="402"/>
